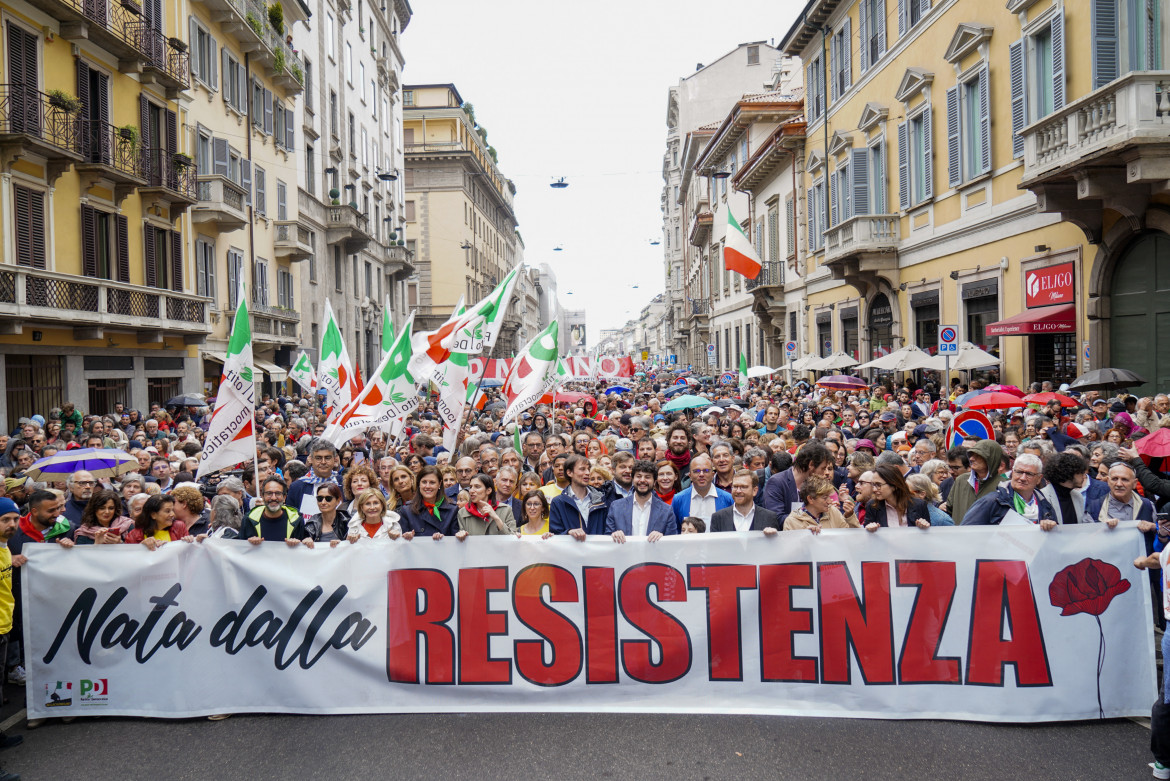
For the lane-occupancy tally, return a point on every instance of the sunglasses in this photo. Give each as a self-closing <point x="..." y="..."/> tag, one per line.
<point x="325" y="498"/>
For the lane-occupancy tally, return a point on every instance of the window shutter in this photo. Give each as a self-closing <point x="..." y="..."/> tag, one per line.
<point x="984" y="120"/>
<point x="1105" y="42"/>
<point x="88" y="241"/>
<point x="924" y="8"/>
<point x="261" y="190"/>
<point x="148" y="256"/>
<point x="1153" y="25"/>
<point x="773" y="236"/>
<point x="879" y="23"/>
<point x="176" y="260"/>
<point x="83" y="95"/>
<point x="193" y="47"/>
<point x="927" y="155"/>
<point x="846" y="55"/>
<point x="859" y="173"/>
<point x="834" y="199"/>
<point x="223" y="57"/>
<point x="233" y="279"/>
<point x="903" y="167"/>
<point x="902" y="16"/>
<point x="172" y="132"/>
<point x="246" y="180"/>
<point x="102" y="98"/>
<point x="241" y="89"/>
<point x="863" y="34"/>
<point x="22" y="196"/>
<point x="824" y="217"/>
<point x="954" y="143"/>
<point x="877" y="172"/>
<point x="200" y="267"/>
<point x="122" y="236"/>
<point x="1016" y="64"/>
<point x="281" y="201"/>
<point x="220" y="162"/>
<point x="1058" y="62"/>
<point x="145" y="141"/>
<point x="213" y="62"/>
<point x="790" y="227"/>
<point x="290" y="134"/>
<point x="834" y="68"/>
<point x="268" y="111"/>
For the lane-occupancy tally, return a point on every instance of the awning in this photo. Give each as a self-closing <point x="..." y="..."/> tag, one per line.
<point x="212" y="355"/>
<point x="1048" y="320"/>
<point x="274" y="372"/>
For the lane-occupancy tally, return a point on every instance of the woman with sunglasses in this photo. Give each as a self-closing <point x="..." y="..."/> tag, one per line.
<point x="331" y="523"/>
<point x="893" y="504"/>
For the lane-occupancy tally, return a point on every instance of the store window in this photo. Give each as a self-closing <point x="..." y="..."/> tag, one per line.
<point x="881" y="326"/>
<point x="824" y="335"/>
<point x="981" y="304"/>
<point x="926" y="320"/>
<point x="849" y="335"/>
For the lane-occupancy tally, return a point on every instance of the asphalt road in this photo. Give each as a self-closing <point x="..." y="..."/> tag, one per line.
<point x="575" y="746"/>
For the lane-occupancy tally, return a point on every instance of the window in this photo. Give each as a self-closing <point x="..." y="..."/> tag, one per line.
<point x="308" y="86"/>
<point x="260" y="282"/>
<point x="278" y="124"/>
<point x="816" y="215"/>
<point x="235" y="83"/>
<point x="349" y="63"/>
<point x="914" y="160"/>
<point x="840" y="195"/>
<point x="338" y="269"/>
<point x="103" y="394"/>
<point x="409" y="208"/>
<point x="30" y="226"/>
<point x="362" y="80"/>
<point x="105" y="245"/>
<point x="333" y="130"/>
<point x="203" y="55"/>
<point x="313" y="258"/>
<point x="159" y="389"/>
<point x="369" y="279"/>
<point x="876" y="163"/>
<point x="235" y="269"/>
<point x="205" y="267"/>
<point x="203" y="160"/>
<point x="162" y="252"/>
<point x="753" y="55"/>
<point x="330" y="37"/>
<point x="261" y="197"/>
<point x="281" y="198"/>
<point x="815" y="89"/>
<point x="408" y="97"/>
<point x="839" y="49"/>
<point x="352" y="137"/>
<point x="910" y="13"/>
<point x="1036" y="62"/>
<point x="365" y="149"/>
<point x="284" y="289"/>
<point x="310" y="170"/>
<point x="968" y="128"/>
<point x="872" y="32"/>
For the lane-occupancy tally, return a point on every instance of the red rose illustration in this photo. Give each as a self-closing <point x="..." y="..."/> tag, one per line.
<point x="1088" y="587"/>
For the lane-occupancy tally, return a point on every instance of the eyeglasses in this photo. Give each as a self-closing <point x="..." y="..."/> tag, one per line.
<point x="85" y="482"/>
<point x="879" y="485"/>
<point x="325" y="498"/>
<point x="700" y="471"/>
<point x="1025" y="474"/>
<point x="274" y="493"/>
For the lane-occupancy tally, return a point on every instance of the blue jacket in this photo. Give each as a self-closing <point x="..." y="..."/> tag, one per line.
<point x="682" y="503"/>
<point x="1093" y="508"/>
<point x="563" y="514"/>
<point x="991" y="509"/>
<point x="1097" y="490"/>
<point x="621" y="514"/>
<point x="424" y="524"/>
<point x="780" y="493"/>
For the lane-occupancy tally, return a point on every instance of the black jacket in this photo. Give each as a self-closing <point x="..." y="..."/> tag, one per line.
<point x="724" y="520"/>
<point x="875" y="512"/>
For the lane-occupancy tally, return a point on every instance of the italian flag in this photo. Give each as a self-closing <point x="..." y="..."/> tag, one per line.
<point x="231" y="439"/>
<point x="335" y="371"/>
<point x="387" y="329"/>
<point x="743" y="378"/>
<point x="738" y="253"/>
<point x="303" y="375"/>
<point x="534" y="372"/>
<point x="390" y="394"/>
<point x="470" y="332"/>
<point x="450" y="378"/>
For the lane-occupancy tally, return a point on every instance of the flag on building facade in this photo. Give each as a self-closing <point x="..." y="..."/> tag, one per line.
<point x="302" y="374"/>
<point x="231" y="438"/>
<point x="738" y="253"/>
<point x="533" y="373"/>
<point x="335" y="372"/>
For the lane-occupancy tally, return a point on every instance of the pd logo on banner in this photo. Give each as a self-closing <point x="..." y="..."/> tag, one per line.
<point x="969" y="423"/>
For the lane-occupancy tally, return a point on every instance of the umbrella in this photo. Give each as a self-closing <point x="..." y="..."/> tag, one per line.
<point x="841" y="382"/>
<point x="1155" y="447"/>
<point x="1107" y="379"/>
<point x="490" y="383"/>
<point x="616" y="389"/>
<point x="994" y="400"/>
<point x="674" y="390"/>
<point x="903" y="359"/>
<point x="100" y="462"/>
<point x="495" y="405"/>
<point x="1044" y="398"/>
<point x="687" y="401"/>
<point x="1012" y="389"/>
<point x="969" y="357"/>
<point x="187" y="400"/>
<point x="725" y="403"/>
<point x="838" y="361"/>
<point x="639" y="374"/>
<point x="759" y="371"/>
<point x="803" y="364"/>
<point x="961" y="401"/>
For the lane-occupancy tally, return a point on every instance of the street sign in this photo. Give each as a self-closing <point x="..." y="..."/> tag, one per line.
<point x="711" y="349"/>
<point x="645" y="355"/>
<point x="948" y="340"/>
<point x="790" y="349"/>
<point x="673" y="359"/>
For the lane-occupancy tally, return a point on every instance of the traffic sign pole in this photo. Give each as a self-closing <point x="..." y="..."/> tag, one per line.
<point x="948" y="345"/>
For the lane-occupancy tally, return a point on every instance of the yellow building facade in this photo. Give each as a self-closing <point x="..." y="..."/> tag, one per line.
<point x="912" y="209"/>
<point x="98" y="302"/>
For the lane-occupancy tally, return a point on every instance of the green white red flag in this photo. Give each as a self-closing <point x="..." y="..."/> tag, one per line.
<point x="390" y="394"/>
<point x="335" y="371"/>
<point x="738" y="253"/>
<point x="533" y="373"/>
<point x="231" y="439"/>
<point x="302" y="374"/>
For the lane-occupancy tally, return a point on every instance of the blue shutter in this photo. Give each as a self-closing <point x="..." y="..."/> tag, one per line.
<point x="954" y="142"/>
<point x="903" y="167"/>
<point x="927" y="155"/>
<point x="1058" y="62"/>
<point x="984" y="120"/>
<point x="879" y="24"/>
<point x="846" y="54"/>
<point x="1019" y="111"/>
<point x="859" y="172"/>
<point x="834" y="199"/>
<point x="902" y="17"/>
<point x="219" y="156"/>
<point x="1105" y="42"/>
<point x="863" y="35"/>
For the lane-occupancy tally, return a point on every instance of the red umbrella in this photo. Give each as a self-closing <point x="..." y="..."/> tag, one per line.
<point x="1156" y="445"/>
<point x="994" y="401"/>
<point x="1012" y="389"/>
<point x="841" y="382"/>
<point x="1044" y="398"/>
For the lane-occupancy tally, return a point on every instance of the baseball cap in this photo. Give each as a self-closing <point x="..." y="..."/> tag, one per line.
<point x="888" y="417"/>
<point x="1100" y="401"/>
<point x="12" y="483"/>
<point x="624" y="445"/>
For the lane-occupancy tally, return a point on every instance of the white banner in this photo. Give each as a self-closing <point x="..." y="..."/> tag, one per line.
<point x="996" y="624"/>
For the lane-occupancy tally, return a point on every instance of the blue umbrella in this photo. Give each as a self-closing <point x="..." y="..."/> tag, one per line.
<point x="100" y="462"/>
<point x="676" y="389"/>
<point x="962" y="400"/>
<point x="616" y="389"/>
<point x="688" y="401"/>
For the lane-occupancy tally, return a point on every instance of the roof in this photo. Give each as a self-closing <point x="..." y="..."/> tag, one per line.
<point x="774" y="96"/>
<point x="755" y="107"/>
<point x="807" y="26"/>
<point x="451" y="87"/>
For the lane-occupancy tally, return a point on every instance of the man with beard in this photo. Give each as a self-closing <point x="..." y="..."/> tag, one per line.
<point x="641" y="514"/>
<point x="274" y="521"/>
<point x="678" y="446"/>
<point x="702" y="499"/>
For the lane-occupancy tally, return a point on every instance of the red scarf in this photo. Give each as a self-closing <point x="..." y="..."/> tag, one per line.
<point x="471" y="508"/>
<point x="681" y="461"/>
<point x="667" y="497"/>
<point x="27" y="526"/>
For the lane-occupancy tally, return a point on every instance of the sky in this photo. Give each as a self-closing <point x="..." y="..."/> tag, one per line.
<point x="578" y="90"/>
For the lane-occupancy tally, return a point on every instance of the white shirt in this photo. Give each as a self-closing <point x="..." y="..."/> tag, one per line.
<point x="743" y="523"/>
<point x="703" y="506"/>
<point x="640" y="517"/>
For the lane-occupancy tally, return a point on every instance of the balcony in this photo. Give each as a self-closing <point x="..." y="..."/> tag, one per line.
<point x="167" y="62"/>
<point x="771" y="275"/>
<point x="346" y="224"/>
<point x="108" y="156"/>
<point x="863" y="244"/>
<point x="221" y="201"/>
<point x="292" y="241"/>
<point x="247" y="22"/>
<point x="395" y="259"/>
<point x="168" y="181"/>
<point x="1108" y="146"/>
<point x="767" y="291"/>
<point x="93" y="305"/>
<point x="700" y="230"/>
<point x="114" y="25"/>
<point x="31" y="124"/>
<point x="273" y="324"/>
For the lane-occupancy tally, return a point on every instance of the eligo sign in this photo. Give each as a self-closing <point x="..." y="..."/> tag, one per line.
<point x="1050" y="285"/>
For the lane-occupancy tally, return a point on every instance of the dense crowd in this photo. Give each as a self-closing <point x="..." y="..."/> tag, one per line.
<point x="773" y="458"/>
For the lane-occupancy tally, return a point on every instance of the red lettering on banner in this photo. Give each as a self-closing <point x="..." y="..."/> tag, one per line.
<point x="477" y="625"/>
<point x="919" y="663"/>
<point x="779" y="621"/>
<point x="406" y="624"/>
<point x="1003" y="595"/>
<point x="561" y="633"/>
<point x="723" y="582"/>
<point x="600" y="625"/>
<point x="665" y="630"/>
<point x="848" y="623"/>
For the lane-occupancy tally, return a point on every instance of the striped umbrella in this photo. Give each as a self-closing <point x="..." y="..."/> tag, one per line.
<point x="100" y="462"/>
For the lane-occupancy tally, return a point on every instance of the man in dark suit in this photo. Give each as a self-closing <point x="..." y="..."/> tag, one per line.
<point x="745" y="515"/>
<point x="641" y="514"/>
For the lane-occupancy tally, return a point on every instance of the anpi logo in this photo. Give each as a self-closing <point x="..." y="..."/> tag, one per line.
<point x="95" y="692"/>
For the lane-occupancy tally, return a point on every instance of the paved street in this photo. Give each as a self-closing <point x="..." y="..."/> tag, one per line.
<point x="586" y="746"/>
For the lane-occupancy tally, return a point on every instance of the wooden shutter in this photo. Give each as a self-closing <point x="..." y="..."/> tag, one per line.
<point x="290" y="135"/>
<point x="122" y="238"/>
<point x="261" y="190"/>
<point x="923" y="8"/>
<point x="89" y="250"/>
<point x="903" y="167"/>
<point x="176" y="260"/>
<point x="846" y="54"/>
<point x="1058" y="62"/>
<point x="1105" y="40"/>
<point x="859" y="173"/>
<point x="790" y="227"/>
<point x="984" y="120"/>
<point x="246" y="180"/>
<point x="86" y="137"/>
<point x="902" y="16"/>
<point x="834" y="198"/>
<point x="927" y="155"/>
<point x="22" y="196"/>
<point x="145" y="141"/>
<point x="268" y="111"/>
<point x="148" y="256"/>
<point x="879" y="22"/>
<point x="223" y="57"/>
<point x="220" y="157"/>
<point x="1019" y="107"/>
<point x="863" y="34"/>
<point x="281" y="201"/>
<point x="24" y="113"/>
<point x="954" y="142"/>
<point x="193" y="47"/>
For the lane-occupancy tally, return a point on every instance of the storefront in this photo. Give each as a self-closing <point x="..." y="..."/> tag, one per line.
<point x="849" y="335"/>
<point x="1049" y="320"/>
<point x="980" y="302"/>
<point x="824" y="320"/>
<point x="925" y="308"/>
<point x="881" y="327"/>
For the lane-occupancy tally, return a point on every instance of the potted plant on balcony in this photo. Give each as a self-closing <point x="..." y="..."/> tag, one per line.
<point x="334" y="196"/>
<point x="298" y="74"/>
<point x="276" y="17"/>
<point x="393" y="236"/>
<point x="353" y="205"/>
<point x="254" y="23"/>
<point x="182" y="161"/>
<point x="178" y="44"/>
<point x="280" y="60"/>
<point x="401" y="243"/>
<point x="62" y="100"/>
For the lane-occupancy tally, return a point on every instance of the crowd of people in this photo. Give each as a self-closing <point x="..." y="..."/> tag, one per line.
<point x="777" y="457"/>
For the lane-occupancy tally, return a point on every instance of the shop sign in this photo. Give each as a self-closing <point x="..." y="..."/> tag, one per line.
<point x="1050" y="285"/>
